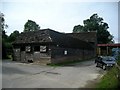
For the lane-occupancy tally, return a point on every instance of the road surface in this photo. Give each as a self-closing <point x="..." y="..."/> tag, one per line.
<point x="21" y="75"/>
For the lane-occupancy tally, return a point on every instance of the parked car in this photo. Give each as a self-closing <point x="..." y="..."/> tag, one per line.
<point x="105" y="62"/>
<point x="98" y="59"/>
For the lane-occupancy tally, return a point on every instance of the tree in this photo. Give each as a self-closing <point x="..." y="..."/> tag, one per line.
<point x="95" y="23"/>
<point x="31" y="26"/>
<point x="13" y="36"/>
<point x="4" y="36"/>
<point x="78" y="28"/>
<point x="6" y="40"/>
<point x="10" y="40"/>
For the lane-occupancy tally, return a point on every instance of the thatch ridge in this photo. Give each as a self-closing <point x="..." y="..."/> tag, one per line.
<point x="52" y="37"/>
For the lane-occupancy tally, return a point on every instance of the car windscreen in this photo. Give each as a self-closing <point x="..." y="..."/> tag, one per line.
<point x="108" y="58"/>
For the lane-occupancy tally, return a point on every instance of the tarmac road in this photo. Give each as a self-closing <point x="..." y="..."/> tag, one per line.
<point x="21" y="75"/>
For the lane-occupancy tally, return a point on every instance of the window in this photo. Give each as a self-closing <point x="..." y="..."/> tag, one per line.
<point x="28" y="49"/>
<point x="22" y="48"/>
<point x="43" y="49"/>
<point x="17" y="50"/>
<point x="36" y="48"/>
<point x="65" y="52"/>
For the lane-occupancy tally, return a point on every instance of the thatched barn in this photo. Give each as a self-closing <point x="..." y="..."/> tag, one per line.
<point x="49" y="46"/>
<point x="89" y="37"/>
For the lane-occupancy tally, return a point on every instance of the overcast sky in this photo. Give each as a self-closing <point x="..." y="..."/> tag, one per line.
<point x="59" y="15"/>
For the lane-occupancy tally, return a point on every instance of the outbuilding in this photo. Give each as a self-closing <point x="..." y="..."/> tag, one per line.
<point x="49" y="46"/>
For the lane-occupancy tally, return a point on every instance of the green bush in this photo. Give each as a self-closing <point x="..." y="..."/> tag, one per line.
<point x="109" y="80"/>
<point x="118" y="61"/>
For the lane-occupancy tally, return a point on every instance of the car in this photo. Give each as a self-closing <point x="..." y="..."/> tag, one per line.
<point x="98" y="59"/>
<point x="105" y="62"/>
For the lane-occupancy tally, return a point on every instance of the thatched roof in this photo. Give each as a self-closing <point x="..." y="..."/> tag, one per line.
<point x="51" y="37"/>
<point x="39" y="36"/>
<point x="85" y="36"/>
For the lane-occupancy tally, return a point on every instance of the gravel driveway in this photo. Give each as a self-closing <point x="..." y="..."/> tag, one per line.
<point x="21" y="75"/>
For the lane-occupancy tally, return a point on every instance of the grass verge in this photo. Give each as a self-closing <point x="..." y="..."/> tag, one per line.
<point x="110" y="79"/>
<point x="69" y="62"/>
<point x="64" y="63"/>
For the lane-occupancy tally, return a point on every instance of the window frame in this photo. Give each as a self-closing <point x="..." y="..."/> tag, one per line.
<point x="43" y="48"/>
<point x="28" y="48"/>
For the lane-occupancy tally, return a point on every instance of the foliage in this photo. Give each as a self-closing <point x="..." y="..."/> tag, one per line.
<point x="2" y="22"/>
<point x="118" y="61"/>
<point x="4" y="52"/>
<point x="95" y="23"/>
<point x="4" y="36"/>
<point x="31" y="26"/>
<point x="78" y="28"/>
<point x="7" y="43"/>
<point x="6" y="40"/>
<point x="13" y="36"/>
<point x="109" y="80"/>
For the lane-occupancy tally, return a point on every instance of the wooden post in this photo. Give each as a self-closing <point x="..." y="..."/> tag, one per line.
<point x="107" y="51"/>
<point x="99" y="51"/>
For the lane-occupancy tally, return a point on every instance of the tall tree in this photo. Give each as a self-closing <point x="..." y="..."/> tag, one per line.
<point x="4" y="36"/>
<point x="5" y="39"/>
<point x="31" y="26"/>
<point x="95" y="23"/>
<point x="78" y="28"/>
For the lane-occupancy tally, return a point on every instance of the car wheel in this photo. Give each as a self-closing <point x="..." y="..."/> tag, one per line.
<point x="104" y="67"/>
<point x="97" y="65"/>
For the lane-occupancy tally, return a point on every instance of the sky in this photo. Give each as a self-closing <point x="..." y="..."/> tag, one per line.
<point x="59" y="15"/>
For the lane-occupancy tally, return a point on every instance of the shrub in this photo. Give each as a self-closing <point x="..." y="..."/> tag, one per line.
<point x="110" y="79"/>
